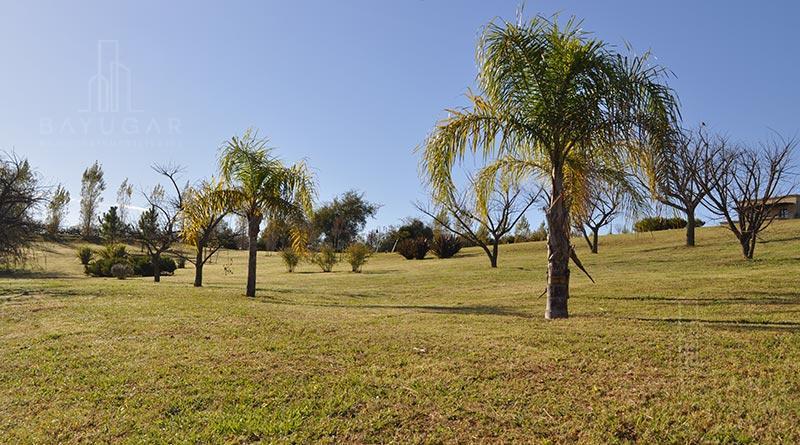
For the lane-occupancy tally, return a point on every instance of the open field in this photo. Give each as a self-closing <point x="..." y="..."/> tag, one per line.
<point x="672" y="345"/>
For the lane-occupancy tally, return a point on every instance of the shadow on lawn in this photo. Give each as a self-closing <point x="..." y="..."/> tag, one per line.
<point x="462" y="310"/>
<point x="503" y="311"/>
<point x="767" y="298"/>
<point x="34" y="274"/>
<point x="730" y="324"/>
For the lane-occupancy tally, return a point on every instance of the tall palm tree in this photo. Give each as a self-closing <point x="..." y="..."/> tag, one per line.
<point x="259" y="185"/>
<point x="560" y="106"/>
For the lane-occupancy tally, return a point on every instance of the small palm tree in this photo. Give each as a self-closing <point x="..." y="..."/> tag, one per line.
<point x="559" y="106"/>
<point x="257" y="184"/>
<point x="204" y="209"/>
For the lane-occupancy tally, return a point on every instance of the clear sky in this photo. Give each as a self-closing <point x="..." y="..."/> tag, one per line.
<point x="352" y="86"/>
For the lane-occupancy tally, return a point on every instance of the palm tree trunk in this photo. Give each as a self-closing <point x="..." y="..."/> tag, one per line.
<point x="558" y="250"/>
<point x="252" y="232"/>
<point x="198" y="268"/>
<point x="690" y="226"/>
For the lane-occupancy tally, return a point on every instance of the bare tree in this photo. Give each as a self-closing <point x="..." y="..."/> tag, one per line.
<point x="676" y="183"/>
<point x="743" y="186"/>
<point x="604" y="203"/>
<point x="159" y="227"/>
<point x="460" y="214"/>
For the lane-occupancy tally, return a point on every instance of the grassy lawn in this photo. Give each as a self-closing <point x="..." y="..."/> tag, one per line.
<point x="672" y="345"/>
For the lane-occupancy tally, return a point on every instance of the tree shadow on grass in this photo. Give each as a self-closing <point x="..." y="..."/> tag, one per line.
<point x="380" y="271"/>
<point x="433" y="309"/>
<point x="791" y="298"/>
<point x="741" y="325"/>
<point x="778" y="240"/>
<point x="34" y="274"/>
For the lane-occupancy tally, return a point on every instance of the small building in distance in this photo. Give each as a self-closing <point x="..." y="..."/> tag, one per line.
<point x="785" y="207"/>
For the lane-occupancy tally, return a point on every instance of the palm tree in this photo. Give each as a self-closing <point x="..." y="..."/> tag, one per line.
<point x="204" y="209"/>
<point x="259" y="185"/>
<point x="562" y="107"/>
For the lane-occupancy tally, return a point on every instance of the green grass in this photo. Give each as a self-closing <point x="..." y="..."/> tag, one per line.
<point x="672" y="345"/>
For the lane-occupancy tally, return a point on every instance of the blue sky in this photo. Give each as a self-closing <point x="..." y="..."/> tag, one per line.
<point x="352" y="86"/>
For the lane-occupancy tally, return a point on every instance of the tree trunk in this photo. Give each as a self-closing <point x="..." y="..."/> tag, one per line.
<point x="198" y="268"/>
<point x="690" y="226"/>
<point x="747" y="248"/>
<point x="586" y="237"/>
<point x="252" y="247"/>
<point x="557" y="250"/>
<point x="594" y="238"/>
<point x="495" y="252"/>
<point x="156" y="262"/>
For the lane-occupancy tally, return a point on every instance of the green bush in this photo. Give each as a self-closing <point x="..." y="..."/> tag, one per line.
<point x="290" y="258"/>
<point x="142" y="265"/>
<point x="122" y="270"/>
<point x="657" y="223"/>
<point x="101" y="267"/>
<point x="107" y="257"/>
<point x="113" y="251"/>
<point x="357" y="255"/>
<point x="445" y="246"/>
<point x="180" y="262"/>
<point x="413" y="248"/>
<point x="84" y="254"/>
<point x="326" y="258"/>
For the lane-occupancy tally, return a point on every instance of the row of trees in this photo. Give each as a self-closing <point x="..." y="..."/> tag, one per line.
<point x="597" y="129"/>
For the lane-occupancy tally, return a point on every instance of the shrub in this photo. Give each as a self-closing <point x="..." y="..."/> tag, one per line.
<point x="445" y="246"/>
<point x="180" y="262"/>
<point x="413" y="248"/>
<point x="290" y="258"/>
<point x="325" y="258"/>
<point x="657" y="223"/>
<point x="101" y="267"/>
<point x="142" y="266"/>
<point x="122" y="270"/>
<point x="107" y="258"/>
<point x="357" y="255"/>
<point x="84" y="254"/>
<point x="113" y="251"/>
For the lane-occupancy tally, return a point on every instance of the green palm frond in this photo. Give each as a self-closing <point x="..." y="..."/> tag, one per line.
<point x="554" y="98"/>
<point x="257" y="183"/>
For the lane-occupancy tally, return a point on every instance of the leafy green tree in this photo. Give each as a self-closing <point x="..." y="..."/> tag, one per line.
<point x="277" y="235"/>
<point x="124" y="195"/>
<point x="111" y="226"/>
<point x="258" y="185"/>
<point x="57" y="210"/>
<point x="20" y="196"/>
<point x="93" y="185"/>
<point x="556" y="104"/>
<point x="340" y="221"/>
<point x="522" y="232"/>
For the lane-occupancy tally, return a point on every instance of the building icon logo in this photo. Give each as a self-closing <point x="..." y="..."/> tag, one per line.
<point x="110" y="89"/>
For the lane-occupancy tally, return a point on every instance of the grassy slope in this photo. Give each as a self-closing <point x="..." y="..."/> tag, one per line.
<point x="671" y="345"/>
